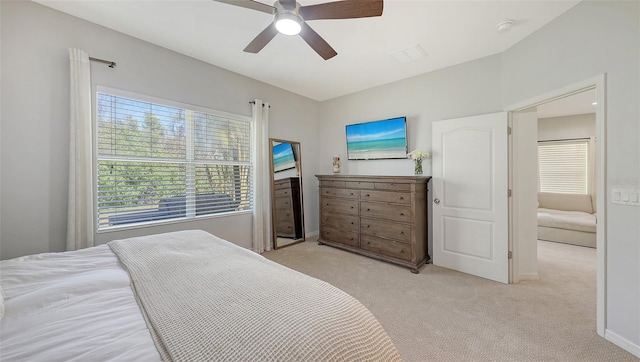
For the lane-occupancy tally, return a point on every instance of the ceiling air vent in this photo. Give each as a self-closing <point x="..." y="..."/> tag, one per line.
<point x="409" y="54"/>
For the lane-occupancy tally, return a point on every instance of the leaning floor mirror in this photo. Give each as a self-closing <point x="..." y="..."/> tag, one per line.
<point x="286" y="193"/>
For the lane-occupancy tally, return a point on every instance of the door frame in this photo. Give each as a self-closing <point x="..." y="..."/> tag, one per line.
<point x="599" y="83"/>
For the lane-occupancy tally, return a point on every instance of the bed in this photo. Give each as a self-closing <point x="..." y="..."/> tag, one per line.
<point x="182" y="296"/>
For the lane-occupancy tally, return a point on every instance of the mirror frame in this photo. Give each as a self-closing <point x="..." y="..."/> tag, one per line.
<point x="274" y="231"/>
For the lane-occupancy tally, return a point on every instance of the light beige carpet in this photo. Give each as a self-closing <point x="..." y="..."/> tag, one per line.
<point x="443" y="315"/>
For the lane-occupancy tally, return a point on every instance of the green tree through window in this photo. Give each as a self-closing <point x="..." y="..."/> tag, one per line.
<point x="157" y="162"/>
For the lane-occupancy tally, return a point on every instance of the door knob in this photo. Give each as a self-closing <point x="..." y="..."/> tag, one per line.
<point x="436" y="200"/>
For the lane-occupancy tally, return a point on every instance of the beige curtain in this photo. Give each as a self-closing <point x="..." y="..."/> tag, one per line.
<point x="80" y="207"/>
<point x="261" y="179"/>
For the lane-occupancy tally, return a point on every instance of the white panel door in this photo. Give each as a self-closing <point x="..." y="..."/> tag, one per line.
<point x="470" y="201"/>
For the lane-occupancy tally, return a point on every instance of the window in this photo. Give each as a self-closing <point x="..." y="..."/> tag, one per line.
<point x="563" y="166"/>
<point x="158" y="162"/>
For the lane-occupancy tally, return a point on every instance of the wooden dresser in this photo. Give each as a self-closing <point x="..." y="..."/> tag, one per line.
<point x="287" y="207"/>
<point x="384" y="217"/>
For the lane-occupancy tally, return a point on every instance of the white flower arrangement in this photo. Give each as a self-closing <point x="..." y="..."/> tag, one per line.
<point x="419" y="154"/>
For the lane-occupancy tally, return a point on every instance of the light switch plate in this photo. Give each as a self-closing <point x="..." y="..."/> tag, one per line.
<point x="626" y="197"/>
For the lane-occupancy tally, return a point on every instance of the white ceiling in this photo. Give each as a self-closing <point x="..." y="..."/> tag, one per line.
<point x="580" y="103"/>
<point x="449" y="32"/>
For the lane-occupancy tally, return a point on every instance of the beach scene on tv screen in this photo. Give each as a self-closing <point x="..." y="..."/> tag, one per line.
<point x="379" y="139"/>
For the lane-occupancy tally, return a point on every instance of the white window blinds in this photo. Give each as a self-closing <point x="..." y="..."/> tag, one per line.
<point x="563" y="166"/>
<point x="158" y="162"/>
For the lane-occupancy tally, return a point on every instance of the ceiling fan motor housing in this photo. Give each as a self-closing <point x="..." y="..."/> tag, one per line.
<point x="288" y="21"/>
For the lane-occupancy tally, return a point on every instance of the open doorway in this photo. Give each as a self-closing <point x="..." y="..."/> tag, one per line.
<point x="525" y="199"/>
<point x="566" y="170"/>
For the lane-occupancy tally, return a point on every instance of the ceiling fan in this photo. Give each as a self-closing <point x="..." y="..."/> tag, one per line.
<point x="290" y="19"/>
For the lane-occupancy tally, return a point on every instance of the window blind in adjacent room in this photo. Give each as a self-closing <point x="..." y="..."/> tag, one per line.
<point x="563" y="166"/>
<point x="157" y="162"/>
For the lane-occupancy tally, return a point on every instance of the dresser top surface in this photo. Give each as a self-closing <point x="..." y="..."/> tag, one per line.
<point x="375" y="178"/>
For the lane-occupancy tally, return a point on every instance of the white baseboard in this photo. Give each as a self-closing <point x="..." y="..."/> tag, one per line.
<point x="533" y="276"/>
<point x="311" y="234"/>
<point x="622" y="343"/>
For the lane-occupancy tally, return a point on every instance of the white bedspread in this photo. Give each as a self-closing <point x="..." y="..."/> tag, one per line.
<point x="79" y="306"/>
<point x="73" y="306"/>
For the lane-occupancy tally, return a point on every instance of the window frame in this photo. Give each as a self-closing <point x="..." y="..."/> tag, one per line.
<point x="169" y="103"/>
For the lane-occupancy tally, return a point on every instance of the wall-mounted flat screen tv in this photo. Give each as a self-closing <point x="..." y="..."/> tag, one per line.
<point x="283" y="157"/>
<point x="377" y="140"/>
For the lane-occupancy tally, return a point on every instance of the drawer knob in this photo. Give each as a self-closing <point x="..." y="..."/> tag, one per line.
<point x="368" y="209"/>
<point x="350" y="238"/>
<point x="368" y="226"/>
<point x="352" y="223"/>
<point x="352" y="207"/>
<point x="368" y="195"/>
<point x="401" y="197"/>
<point x="402" y="214"/>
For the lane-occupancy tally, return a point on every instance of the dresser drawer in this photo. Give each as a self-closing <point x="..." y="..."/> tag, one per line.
<point x="386" y="229"/>
<point x="392" y="212"/>
<point x="282" y="184"/>
<point x="283" y="203"/>
<point x="284" y="216"/>
<point x="332" y="183"/>
<point x="285" y="229"/>
<point x="339" y="236"/>
<point x="343" y="206"/>
<point x="339" y="221"/>
<point x="392" y="186"/>
<point x="387" y="247"/>
<point x="337" y="192"/>
<point x="360" y="184"/>
<point x="282" y="193"/>
<point x="386" y="196"/>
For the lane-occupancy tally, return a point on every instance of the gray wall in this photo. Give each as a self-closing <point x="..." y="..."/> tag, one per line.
<point x="35" y="113"/>
<point x="567" y="127"/>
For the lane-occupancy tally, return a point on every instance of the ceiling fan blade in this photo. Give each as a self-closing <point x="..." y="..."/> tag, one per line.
<point x="250" y="4"/>
<point x="262" y="39"/>
<point x="343" y="10"/>
<point x="316" y="42"/>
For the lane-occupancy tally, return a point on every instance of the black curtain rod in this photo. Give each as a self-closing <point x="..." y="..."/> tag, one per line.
<point x="108" y="62"/>
<point x="254" y="102"/>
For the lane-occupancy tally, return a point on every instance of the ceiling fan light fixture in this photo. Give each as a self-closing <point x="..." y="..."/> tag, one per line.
<point x="288" y="24"/>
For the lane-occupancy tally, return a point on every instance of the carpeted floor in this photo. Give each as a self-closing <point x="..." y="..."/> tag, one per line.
<point x="443" y="315"/>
